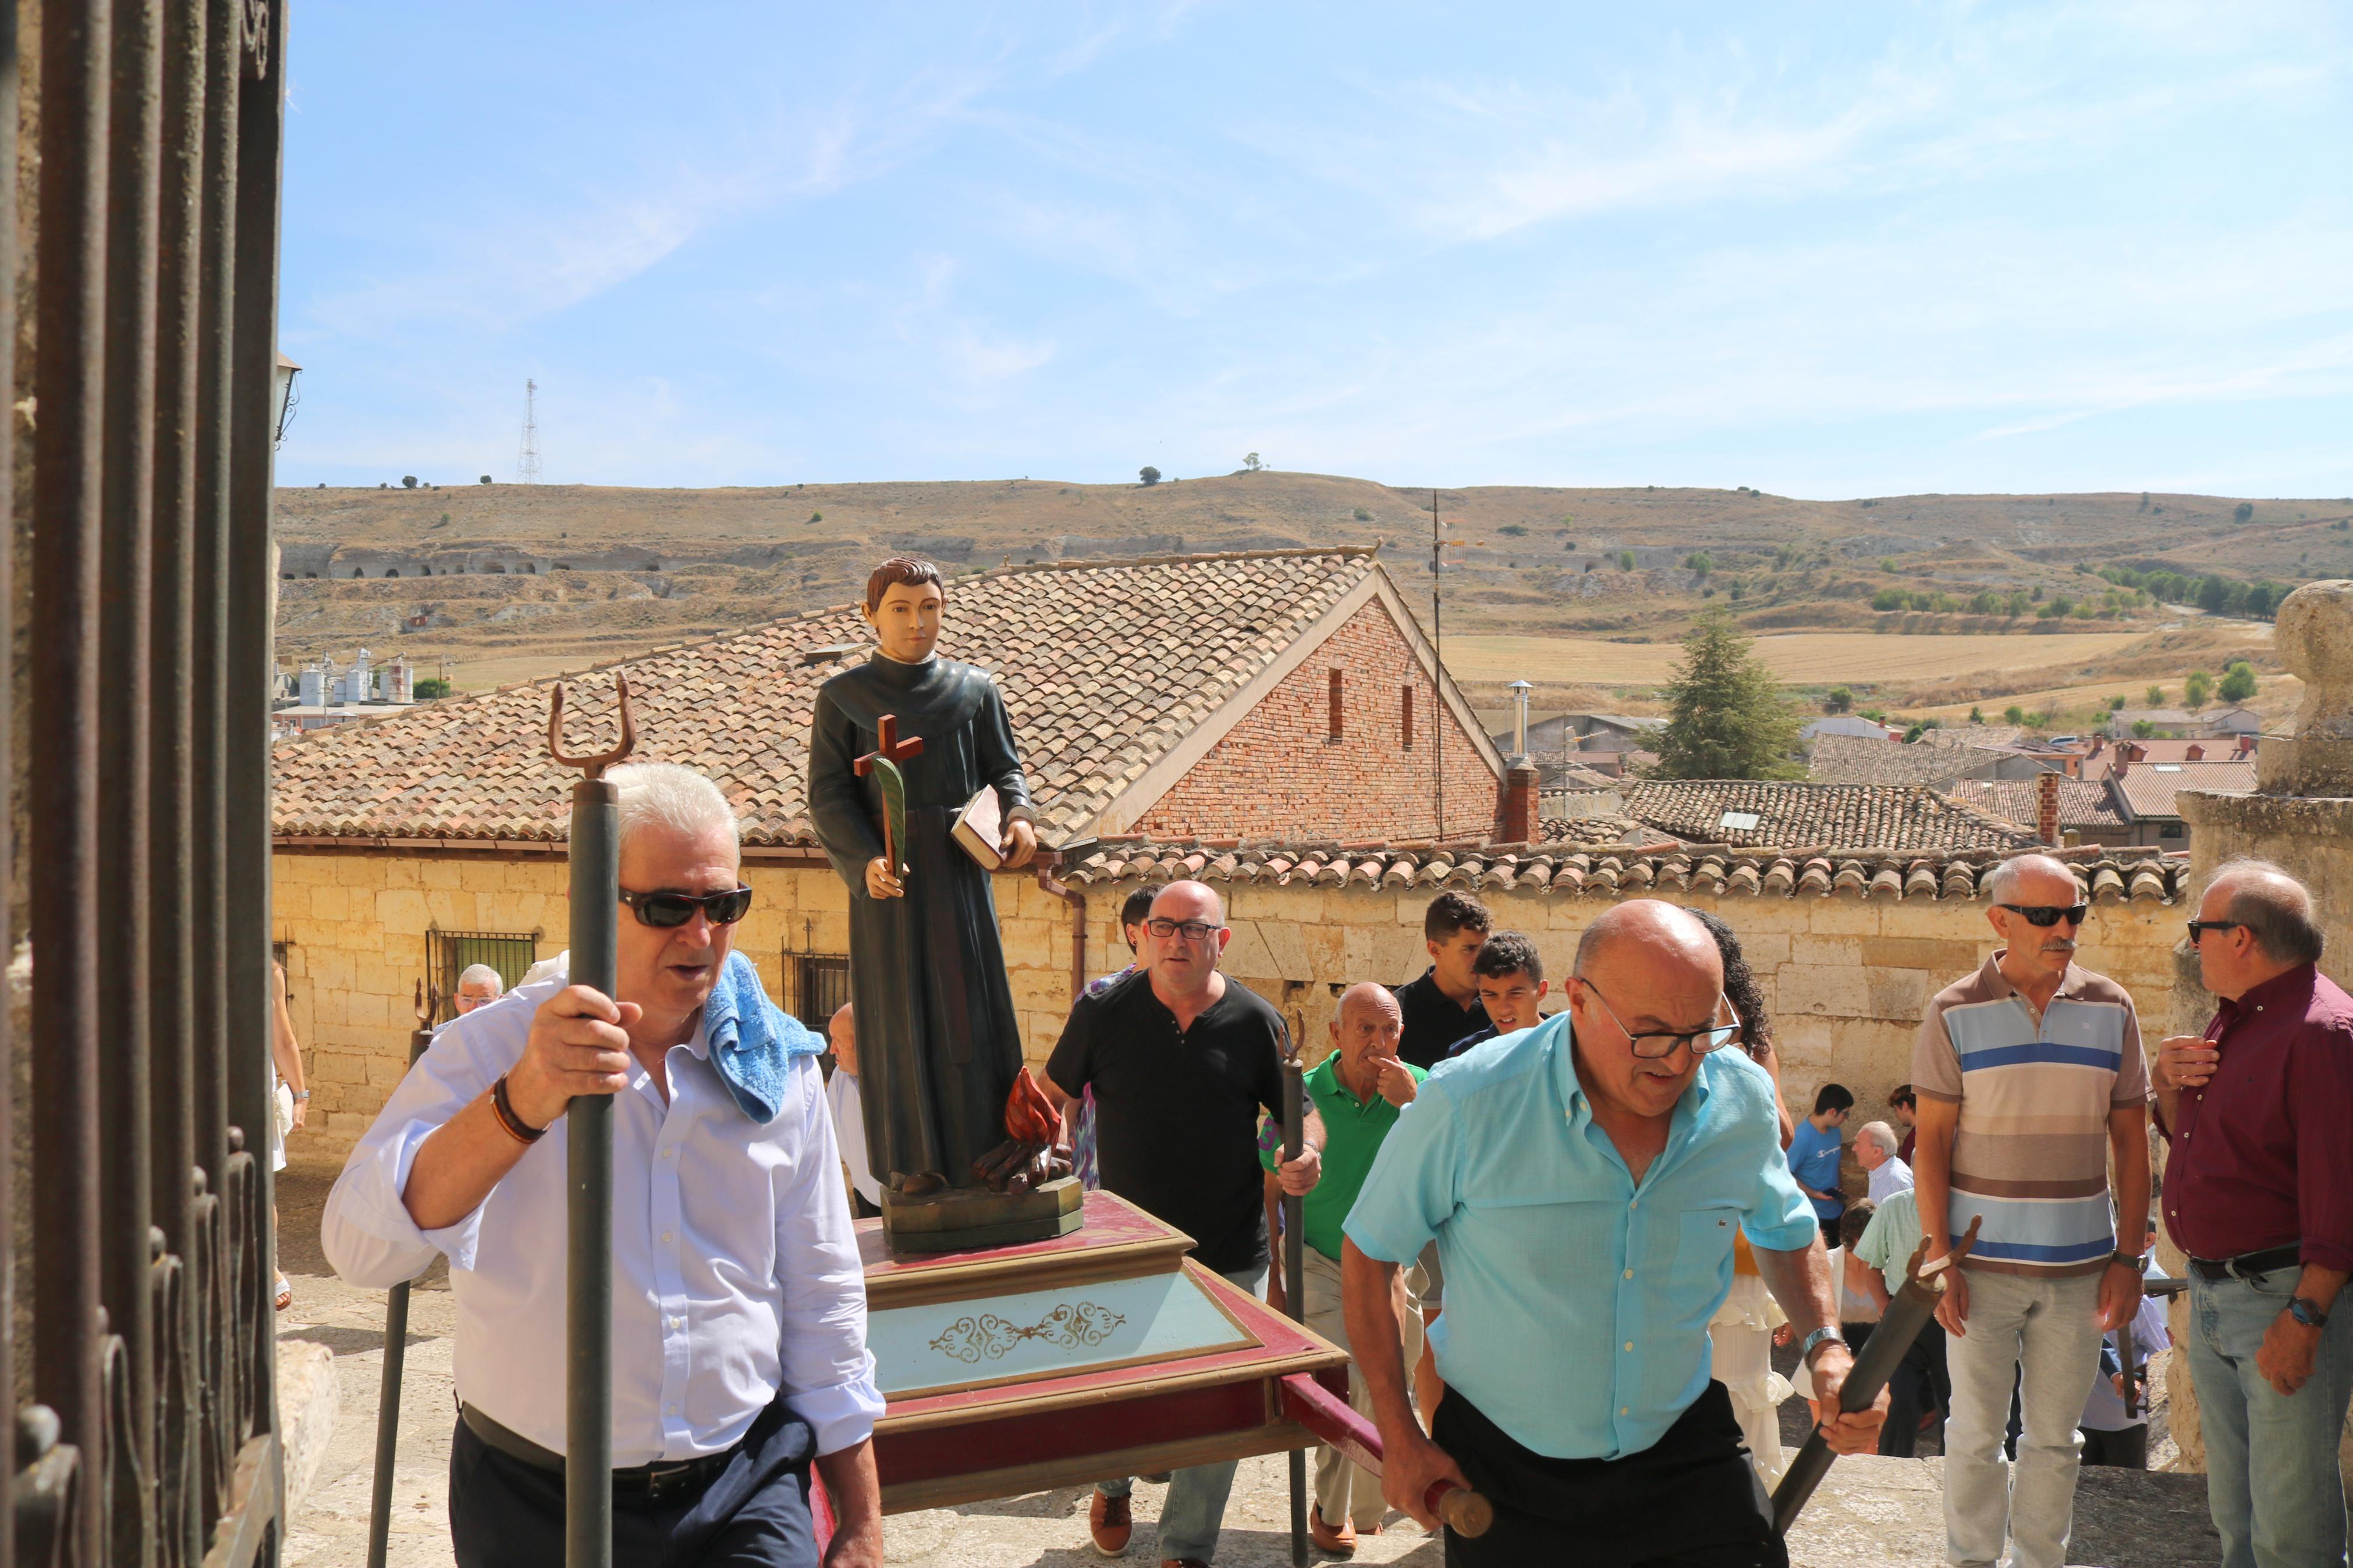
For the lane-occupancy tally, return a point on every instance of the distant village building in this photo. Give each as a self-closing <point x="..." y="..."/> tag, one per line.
<point x="1852" y="726"/>
<point x="1607" y="743"/>
<point x="2173" y="723"/>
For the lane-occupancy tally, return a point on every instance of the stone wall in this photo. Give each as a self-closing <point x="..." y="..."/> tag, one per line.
<point x="1279" y="773"/>
<point x="1846" y="977"/>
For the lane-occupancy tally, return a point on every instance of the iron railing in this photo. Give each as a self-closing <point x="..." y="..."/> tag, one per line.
<point x="144" y="827"/>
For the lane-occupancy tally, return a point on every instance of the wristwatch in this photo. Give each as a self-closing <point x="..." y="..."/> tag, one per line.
<point x="2306" y="1312"/>
<point x="2135" y="1262"/>
<point x="1818" y="1338"/>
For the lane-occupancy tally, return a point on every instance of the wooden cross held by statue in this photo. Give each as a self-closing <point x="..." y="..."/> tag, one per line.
<point x="882" y="762"/>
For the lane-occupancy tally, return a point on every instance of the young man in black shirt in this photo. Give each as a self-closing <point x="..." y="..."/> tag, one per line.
<point x="1442" y="1007"/>
<point x="1181" y="1061"/>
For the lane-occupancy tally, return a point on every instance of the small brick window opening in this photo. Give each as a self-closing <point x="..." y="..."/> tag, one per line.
<point x="1337" y="732"/>
<point x="1405" y="722"/>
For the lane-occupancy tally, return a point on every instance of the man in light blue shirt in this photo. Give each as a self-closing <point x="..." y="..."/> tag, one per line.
<point x="1583" y="1182"/>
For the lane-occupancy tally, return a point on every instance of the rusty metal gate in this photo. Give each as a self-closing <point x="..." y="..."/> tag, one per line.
<point x="144" y="834"/>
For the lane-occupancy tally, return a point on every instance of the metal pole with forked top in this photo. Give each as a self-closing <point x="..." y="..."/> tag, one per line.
<point x="596" y="853"/>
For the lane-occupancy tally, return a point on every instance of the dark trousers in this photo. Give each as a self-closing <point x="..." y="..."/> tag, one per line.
<point x="1690" y="1500"/>
<point x="2126" y="1448"/>
<point x="505" y="1513"/>
<point x="1920" y="1384"/>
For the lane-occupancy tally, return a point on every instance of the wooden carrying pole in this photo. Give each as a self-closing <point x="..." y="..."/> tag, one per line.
<point x="596" y="853"/>
<point x="1908" y="1312"/>
<point x="395" y="1341"/>
<point x="1294" y="1282"/>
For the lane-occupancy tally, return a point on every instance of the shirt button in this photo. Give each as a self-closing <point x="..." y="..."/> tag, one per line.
<point x="665" y="1235"/>
<point x="1625" y="1410"/>
<point x="670" y="1153"/>
<point x="1635" y="1205"/>
<point x="1630" y="1274"/>
<point x="1629" y="1345"/>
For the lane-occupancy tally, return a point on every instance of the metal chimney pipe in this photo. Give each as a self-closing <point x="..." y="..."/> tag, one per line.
<point x="1520" y="689"/>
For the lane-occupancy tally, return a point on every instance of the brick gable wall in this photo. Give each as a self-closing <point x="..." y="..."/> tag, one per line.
<point x="1279" y="773"/>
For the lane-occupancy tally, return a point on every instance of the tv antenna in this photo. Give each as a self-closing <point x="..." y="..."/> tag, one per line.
<point x="527" y="458"/>
<point x="1437" y="655"/>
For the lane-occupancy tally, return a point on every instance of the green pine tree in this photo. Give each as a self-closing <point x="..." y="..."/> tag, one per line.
<point x="1727" y="718"/>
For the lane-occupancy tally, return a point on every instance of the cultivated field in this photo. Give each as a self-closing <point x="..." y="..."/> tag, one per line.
<point x="1798" y="657"/>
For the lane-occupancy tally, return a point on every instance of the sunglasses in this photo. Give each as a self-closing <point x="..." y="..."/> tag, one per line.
<point x="2200" y="928"/>
<point x="2049" y="914"/>
<point x="665" y="911"/>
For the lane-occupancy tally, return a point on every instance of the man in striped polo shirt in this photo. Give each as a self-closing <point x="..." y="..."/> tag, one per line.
<point x="2030" y="1074"/>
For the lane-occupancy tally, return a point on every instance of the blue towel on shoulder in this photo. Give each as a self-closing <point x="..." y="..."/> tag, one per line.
<point x="753" y="1041"/>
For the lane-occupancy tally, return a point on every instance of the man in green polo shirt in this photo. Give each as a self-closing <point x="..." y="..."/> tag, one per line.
<point x="1357" y="1090"/>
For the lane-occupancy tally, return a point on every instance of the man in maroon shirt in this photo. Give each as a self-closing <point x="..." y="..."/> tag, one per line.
<point x="2259" y="1191"/>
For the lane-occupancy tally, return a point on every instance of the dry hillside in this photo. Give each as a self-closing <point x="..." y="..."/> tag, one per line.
<point x="505" y="581"/>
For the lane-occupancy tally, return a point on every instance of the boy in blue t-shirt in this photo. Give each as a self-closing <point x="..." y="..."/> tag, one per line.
<point x="1814" y="1151"/>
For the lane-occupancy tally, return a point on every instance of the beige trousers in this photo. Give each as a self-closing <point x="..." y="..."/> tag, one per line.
<point x="1343" y="1489"/>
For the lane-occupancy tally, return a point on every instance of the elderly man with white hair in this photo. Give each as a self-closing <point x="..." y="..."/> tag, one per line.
<point x="739" y="1305"/>
<point x="2030" y="1080"/>
<point x="1874" y="1150"/>
<point x="478" y="986"/>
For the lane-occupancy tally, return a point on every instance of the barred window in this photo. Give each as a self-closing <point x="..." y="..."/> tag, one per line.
<point x="449" y="953"/>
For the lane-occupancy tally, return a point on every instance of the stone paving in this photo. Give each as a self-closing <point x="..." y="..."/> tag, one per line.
<point x="1871" y="1512"/>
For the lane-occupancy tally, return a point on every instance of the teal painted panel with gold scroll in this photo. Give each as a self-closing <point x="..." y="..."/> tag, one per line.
<point x="1090" y="1327"/>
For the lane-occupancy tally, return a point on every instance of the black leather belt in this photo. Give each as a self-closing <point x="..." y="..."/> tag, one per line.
<point x="657" y="1482"/>
<point x="2248" y="1263"/>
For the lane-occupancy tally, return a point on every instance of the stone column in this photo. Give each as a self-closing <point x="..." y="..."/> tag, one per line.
<point x="2301" y="817"/>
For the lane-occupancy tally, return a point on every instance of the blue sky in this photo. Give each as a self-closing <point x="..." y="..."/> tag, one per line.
<point x="1826" y="251"/>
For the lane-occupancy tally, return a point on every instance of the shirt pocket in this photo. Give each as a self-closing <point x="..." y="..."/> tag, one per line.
<point x="1702" y="1270"/>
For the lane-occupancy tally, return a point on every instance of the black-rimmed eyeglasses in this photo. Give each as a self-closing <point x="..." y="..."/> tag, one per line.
<point x="1191" y="931"/>
<point x="665" y="911"/>
<point x="2200" y="928"/>
<point x="2049" y="914"/>
<point x="1652" y="1047"/>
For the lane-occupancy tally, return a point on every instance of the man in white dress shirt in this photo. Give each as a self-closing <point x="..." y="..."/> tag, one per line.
<point x="849" y="1113"/>
<point x="1874" y="1151"/>
<point x="739" y="1306"/>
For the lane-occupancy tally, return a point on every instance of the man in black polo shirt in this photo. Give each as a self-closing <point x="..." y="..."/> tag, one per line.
<point x="1181" y="1061"/>
<point x="1443" y="1008"/>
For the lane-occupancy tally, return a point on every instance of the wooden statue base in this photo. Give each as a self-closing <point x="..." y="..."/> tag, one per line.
<point x="1100" y="1353"/>
<point x="966" y="1219"/>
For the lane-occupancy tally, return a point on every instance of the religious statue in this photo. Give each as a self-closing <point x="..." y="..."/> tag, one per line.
<point x="898" y="747"/>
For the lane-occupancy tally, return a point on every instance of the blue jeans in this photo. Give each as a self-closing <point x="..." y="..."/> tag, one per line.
<point x="2272" y="1476"/>
<point x="1195" y="1509"/>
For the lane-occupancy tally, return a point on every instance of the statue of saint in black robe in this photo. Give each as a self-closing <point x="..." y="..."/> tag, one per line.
<point x="938" y="1043"/>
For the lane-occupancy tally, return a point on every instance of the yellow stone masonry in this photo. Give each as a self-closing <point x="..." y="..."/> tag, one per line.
<point x="1846" y="978"/>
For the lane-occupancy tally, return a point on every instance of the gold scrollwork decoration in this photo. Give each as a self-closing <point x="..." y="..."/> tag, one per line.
<point x="984" y="1336"/>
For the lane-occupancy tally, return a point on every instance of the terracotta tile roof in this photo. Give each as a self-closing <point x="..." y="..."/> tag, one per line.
<point x="1794" y="816"/>
<point x="1849" y="759"/>
<point x="1570" y="870"/>
<point x="1603" y="828"/>
<point x="2213" y="749"/>
<point x="1105" y="668"/>
<point x="2082" y="803"/>
<point x="2149" y="788"/>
